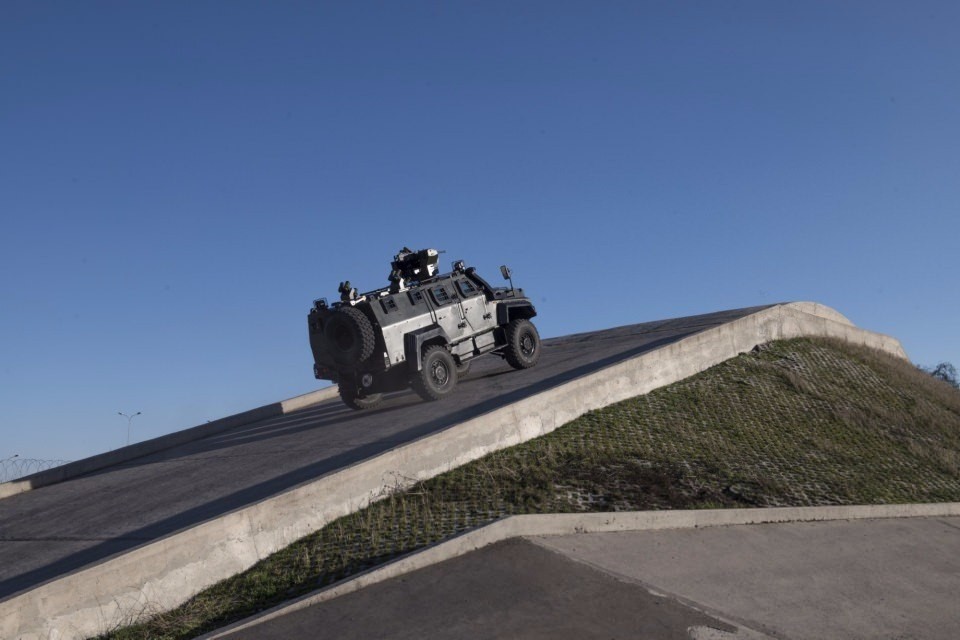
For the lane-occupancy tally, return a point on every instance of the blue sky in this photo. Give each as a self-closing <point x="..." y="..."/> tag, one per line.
<point x="178" y="180"/>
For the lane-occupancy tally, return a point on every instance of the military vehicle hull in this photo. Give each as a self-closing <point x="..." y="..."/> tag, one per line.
<point x="377" y="342"/>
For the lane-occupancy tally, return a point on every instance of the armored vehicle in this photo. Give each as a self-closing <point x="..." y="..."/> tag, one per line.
<point x="421" y="331"/>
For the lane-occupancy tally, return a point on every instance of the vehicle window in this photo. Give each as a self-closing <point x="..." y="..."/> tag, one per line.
<point x="416" y="296"/>
<point x="440" y="295"/>
<point x="389" y="304"/>
<point x="466" y="287"/>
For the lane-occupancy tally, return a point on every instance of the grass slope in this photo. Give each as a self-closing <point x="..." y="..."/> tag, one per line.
<point x="800" y="422"/>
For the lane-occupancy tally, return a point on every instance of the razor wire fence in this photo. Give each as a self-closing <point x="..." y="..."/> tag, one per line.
<point x="16" y="467"/>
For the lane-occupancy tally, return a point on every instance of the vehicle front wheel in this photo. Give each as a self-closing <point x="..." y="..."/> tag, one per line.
<point x="355" y="400"/>
<point x="523" y="344"/>
<point x="438" y="376"/>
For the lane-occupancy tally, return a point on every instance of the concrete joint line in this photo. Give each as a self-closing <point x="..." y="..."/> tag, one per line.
<point x="544" y="525"/>
<point x="173" y="569"/>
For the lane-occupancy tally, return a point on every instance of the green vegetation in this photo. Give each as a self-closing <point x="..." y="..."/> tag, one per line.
<point x="800" y="422"/>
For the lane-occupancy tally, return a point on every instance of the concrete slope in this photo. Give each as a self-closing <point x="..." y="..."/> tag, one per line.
<point x="77" y="556"/>
<point x="140" y="449"/>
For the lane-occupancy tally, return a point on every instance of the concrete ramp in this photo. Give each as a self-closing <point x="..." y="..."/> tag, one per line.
<point x="83" y="555"/>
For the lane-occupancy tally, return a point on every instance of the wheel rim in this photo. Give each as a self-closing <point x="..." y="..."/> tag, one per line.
<point x="527" y="345"/>
<point x="440" y="373"/>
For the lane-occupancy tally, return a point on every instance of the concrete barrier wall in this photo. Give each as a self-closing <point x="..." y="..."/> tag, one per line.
<point x="162" y="574"/>
<point x="575" y="523"/>
<point x="154" y="445"/>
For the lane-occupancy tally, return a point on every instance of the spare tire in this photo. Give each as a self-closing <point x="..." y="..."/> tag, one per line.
<point x="349" y="336"/>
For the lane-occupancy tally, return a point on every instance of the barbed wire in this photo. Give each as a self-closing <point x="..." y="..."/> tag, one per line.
<point x="17" y="467"/>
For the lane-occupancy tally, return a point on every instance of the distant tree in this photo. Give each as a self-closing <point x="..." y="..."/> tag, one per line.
<point x="946" y="372"/>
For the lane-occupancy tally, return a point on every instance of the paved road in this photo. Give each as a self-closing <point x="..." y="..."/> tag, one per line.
<point x="514" y="590"/>
<point x="895" y="579"/>
<point x="58" y="529"/>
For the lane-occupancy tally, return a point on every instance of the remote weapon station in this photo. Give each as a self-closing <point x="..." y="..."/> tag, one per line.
<point x="421" y="331"/>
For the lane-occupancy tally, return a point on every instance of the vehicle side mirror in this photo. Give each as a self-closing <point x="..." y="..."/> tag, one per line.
<point x="505" y="272"/>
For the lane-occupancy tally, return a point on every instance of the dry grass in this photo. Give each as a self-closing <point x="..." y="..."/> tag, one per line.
<point x="800" y="422"/>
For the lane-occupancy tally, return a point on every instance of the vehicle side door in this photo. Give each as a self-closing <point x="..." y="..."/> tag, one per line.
<point x="476" y="312"/>
<point x="447" y="308"/>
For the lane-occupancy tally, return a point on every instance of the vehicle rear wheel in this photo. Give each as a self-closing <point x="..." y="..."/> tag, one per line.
<point x="523" y="344"/>
<point x="357" y="400"/>
<point x="349" y="336"/>
<point x="438" y="376"/>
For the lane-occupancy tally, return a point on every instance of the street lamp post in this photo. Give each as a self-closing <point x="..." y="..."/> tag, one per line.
<point x="129" y="420"/>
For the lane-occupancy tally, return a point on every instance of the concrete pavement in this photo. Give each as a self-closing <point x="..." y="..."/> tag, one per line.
<point x="514" y="589"/>
<point x="895" y="578"/>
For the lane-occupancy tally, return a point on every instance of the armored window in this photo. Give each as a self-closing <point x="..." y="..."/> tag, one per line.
<point x="466" y="287"/>
<point x="389" y="304"/>
<point x="416" y="296"/>
<point x="440" y="295"/>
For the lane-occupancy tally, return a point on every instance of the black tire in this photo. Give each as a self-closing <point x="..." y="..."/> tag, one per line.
<point x="463" y="368"/>
<point x="438" y="377"/>
<point x="349" y="336"/>
<point x="523" y="344"/>
<point x="356" y="400"/>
